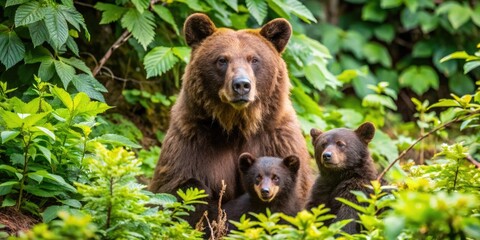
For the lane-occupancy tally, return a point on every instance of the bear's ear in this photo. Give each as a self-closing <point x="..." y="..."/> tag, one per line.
<point x="366" y="131"/>
<point x="278" y="32"/>
<point x="197" y="27"/>
<point x="292" y="162"/>
<point x="246" y="160"/>
<point x="315" y="133"/>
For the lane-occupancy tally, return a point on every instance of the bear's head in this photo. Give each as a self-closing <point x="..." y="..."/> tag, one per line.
<point x="231" y="73"/>
<point x="269" y="178"/>
<point x="341" y="149"/>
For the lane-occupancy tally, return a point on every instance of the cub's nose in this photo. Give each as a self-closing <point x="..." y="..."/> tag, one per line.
<point x="241" y="85"/>
<point x="265" y="192"/>
<point x="327" y="156"/>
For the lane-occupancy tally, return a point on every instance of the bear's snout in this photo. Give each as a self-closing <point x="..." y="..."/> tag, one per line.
<point x="241" y="85"/>
<point x="327" y="157"/>
<point x="265" y="192"/>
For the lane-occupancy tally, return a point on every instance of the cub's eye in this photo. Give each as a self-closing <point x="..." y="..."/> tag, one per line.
<point x="341" y="144"/>
<point x="258" y="179"/>
<point x="275" y="178"/>
<point x="323" y="145"/>
<point x="254" y="60"/>
<point x="222" y="61"/>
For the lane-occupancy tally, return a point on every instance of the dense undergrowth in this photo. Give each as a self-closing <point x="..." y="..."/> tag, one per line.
<point x="80" y="173"/>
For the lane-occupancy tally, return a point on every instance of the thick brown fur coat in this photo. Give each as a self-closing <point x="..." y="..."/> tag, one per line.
<point x="212" y="124"/>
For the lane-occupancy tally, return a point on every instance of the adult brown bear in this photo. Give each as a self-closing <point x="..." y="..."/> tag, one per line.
<point x="234" y="99"/>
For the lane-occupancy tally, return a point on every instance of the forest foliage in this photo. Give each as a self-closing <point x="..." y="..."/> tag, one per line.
<point x="75" y="158"/>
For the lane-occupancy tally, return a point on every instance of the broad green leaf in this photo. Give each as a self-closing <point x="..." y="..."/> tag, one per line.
<point x="77" y="63"/>
<point x="8" y="168"/>
<point x="459" y="15"/>
<point x="117" y="140"/>
<point x="385" y="32"/>
<point x="445" y="103"/>
<point x="11" y="119"/>
<point x="278" y="7"/>
<point x="110" y="12"/>
<point x="38" y="33"/>
<point x="377" y="53"/>
<point x="159" y="60"/>
<point x="29" y="13"/>
<point x="307" y="102"/>
<point x="8" y="135"/>
<point x="57" y="27"/>
<point x="65" y="72"/>
<point x="419" y="79"/>
<point x="258" y="9"/>
<point x="72" y="45"/>
<point x="476" y="15"/>
<point x="64" y="96"/>
<point x="469" y="66"/>
<point x="47" y="132"/>
<point x="166" y="16"/>
<point x="183" y="53"/>
<point x="140" y="25"/>
<point x="461" y="84"/>
<point x="428" y="21"/>
<point x="354" y="41"/>
<point x="52" y="212"/>
<point x="72" y="203"/>
<point x="46" y="70"/>
<point x="372" y="12"/>
<point x="12" y="49"/>
<point x="295" y="7"/>
<point x="232" y="3"/>
<point x="455" y="55"/>
<point x="141" y="5"/>
<point x="163" y="199"/>
<point x="449" y="67"/>
<point x="45" y="151"/>
<point x="8" y="202"/>
<point x="195" y="5"/>
<point x="32" y="119"/>
<point x="89" y="85"/>
<point x="422" y="49"/>
<point x="390" y="3"/>
<point x="409" y="19"/>
<point x="412" y="5"/>
<point x="37" y="191"/>
<point x="74" y="18"/>
<point x="57" y="179"/>
<point x="315" y="76"/>
<point x="15" y="2"/>
<point x="375" y="100"/>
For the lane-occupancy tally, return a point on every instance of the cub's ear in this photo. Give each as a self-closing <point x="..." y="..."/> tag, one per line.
<point x="278" y="32"/>
<point x="245" y="161"/>
<point x="366" y="131"/>
<point x="315" y="133"/>
<point x="197" y="27"/>
<point x="292" y="162"/>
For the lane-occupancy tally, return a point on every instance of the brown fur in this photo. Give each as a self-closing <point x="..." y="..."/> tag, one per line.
<point x="350" y="168"/>
<point x="208" y="131"/>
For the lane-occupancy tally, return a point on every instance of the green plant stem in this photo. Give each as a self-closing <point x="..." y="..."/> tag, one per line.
<point x="457" y="119"/>
<point x="24" y="173"/>
<point x="109" y="208"/>
<point x="456" y="175"/>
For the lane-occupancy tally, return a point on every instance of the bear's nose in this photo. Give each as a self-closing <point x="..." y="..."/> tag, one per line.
<point x="327" y="156"/>
<point x="265" y="191"/>
<point x="241" y="85"/>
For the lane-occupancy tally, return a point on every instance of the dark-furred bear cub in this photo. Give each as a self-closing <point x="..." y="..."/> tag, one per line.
<point x="269" y="182"/>
<point x="345" y="165"/>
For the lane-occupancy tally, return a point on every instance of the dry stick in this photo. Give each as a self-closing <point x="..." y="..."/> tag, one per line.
<point x="121" y="40"/>
<point x="421" y="138"/>
<point x="473" y="161"/>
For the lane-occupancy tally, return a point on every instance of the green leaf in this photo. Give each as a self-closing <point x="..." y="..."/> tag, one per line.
<point x="78" y="64"/>
<point x="47" y="132"/>
<point x="141" y="25"/>
<point x="422" y="49"/>
<point x="232" y="3"/>
<point x="46" y="70"/>
<point x="458" y="15"/>
<point x="15" y="2"/>
<point x="258" y="9"/>
<point x="32" y="119"/>
<point x="455" y="55"/>
<point x="385" y="32"/>
<point x="89" y="85"/>
<point x="469" y="66"/>
<point x="117" y="140"/>
<point x="75" y="18"/>
<point x="372" y="12"/>
<point x="166" y="16"/>
<point x="419" y="79"/>
<point x="461" y="84"/>
<point x="159" y="60"/>
<point x="375" y="100"/>
<point x="52" y="212"/>
<point x="390" y="3"/>
<point x="110" y="12"/>
<point x="295" y="7"/>
<point x="38" y="33"/>
<point x="195" y="5"/>
<point x="182" y="52"/>
<point x="8" y="135"/>
<point x="64" y="96"/>
<point x="140" y="5"/>
<point x="29" y="13"/>
<point x="476" y="15"/>
<point x="72" y="45"/>
<point x="11" y="119"/>
<point x="445" y="103"/>
<point x="8" y="202"/>
<point x="12" y="49"/>
<point x="57" y="27"/>
<point x="65" y="72"/>
<point x="45" y="151"/>
<point x="57" y="179"/>
<point x="376" y="53"/>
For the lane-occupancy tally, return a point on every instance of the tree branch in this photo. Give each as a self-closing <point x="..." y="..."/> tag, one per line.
<point x="121" y="40"/>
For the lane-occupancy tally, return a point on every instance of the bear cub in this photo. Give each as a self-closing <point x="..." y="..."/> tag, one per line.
<point x="269" y="182"/>
<point x="345" y="164"/>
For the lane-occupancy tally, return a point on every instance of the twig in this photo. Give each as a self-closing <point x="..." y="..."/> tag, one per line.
<point x="421" y="138"/>
<point x="84" y="4"/>
<point x="121" y="40"/>
<point x="473" y="161"/>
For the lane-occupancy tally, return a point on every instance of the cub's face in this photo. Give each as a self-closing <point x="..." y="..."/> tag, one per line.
<point x="342" y="148"/>
<point x="234" y="65"/>
<point x="268" y="177"/>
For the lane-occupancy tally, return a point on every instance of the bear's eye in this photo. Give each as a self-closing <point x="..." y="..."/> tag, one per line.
<point x="275" y="178"/>
<point x="258" y="179"/>
<point x="341" y="144"/>
<point x="254" y="60"/>
<point x="222" y="61"/>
